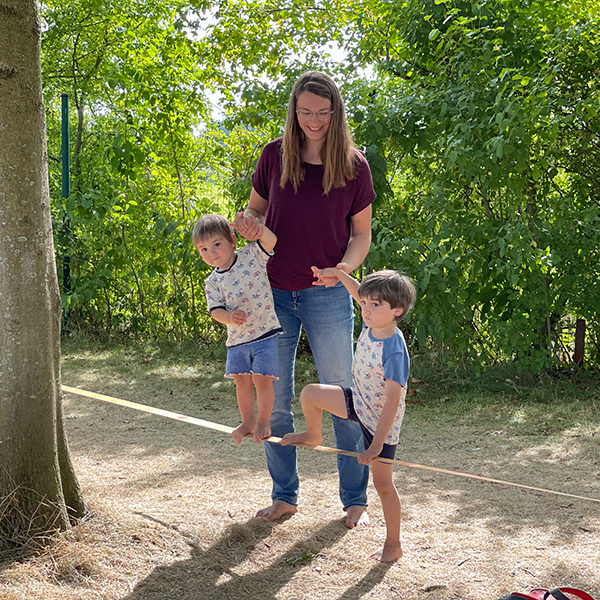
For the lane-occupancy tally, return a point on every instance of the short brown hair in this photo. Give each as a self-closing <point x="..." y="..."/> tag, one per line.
<point x="397" y="289"/>
<point x="210" y="225"/>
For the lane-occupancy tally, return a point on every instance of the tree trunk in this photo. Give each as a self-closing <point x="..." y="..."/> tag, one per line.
<point x="38" y="487"/>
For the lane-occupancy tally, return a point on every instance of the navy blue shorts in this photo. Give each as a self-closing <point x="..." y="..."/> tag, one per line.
<point x="260" y="358"/>
<point x="389" y="450"/>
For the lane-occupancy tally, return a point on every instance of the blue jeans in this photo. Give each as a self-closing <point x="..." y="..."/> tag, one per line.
<point x="327" y="316"/>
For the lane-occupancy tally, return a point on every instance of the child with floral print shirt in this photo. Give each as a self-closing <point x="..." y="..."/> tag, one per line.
<point x="239" y="295"/>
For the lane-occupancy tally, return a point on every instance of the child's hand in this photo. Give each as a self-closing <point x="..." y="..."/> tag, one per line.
<point x="238" y="317"/>
<point x="366" y="458"/>
<point x="248" y="226"/>
<point x="327" y="277"/>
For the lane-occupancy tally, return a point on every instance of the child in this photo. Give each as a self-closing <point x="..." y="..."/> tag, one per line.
<point x="379" y="376"/>
<point x="238" y="294"/>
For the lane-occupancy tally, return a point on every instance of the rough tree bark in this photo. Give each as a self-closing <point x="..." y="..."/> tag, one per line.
<point x="38" y="488"/>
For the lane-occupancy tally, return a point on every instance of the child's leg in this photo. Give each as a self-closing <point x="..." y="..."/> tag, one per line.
<point x="245" y="397"/>
<point x="265" y="397"/>
<point x="390" y="502"/>
<point x="315" y="398"/>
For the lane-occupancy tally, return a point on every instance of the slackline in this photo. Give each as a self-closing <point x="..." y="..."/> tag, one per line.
<point x="226" y="429"/>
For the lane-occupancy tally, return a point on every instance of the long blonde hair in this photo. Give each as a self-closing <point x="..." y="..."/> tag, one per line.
<point x="337" y="152"/>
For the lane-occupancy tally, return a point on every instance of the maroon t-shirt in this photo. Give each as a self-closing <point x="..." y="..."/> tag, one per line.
<point x="311" y="228"/>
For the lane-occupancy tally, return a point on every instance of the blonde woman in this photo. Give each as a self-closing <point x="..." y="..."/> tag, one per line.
<point x="314" y="190"/>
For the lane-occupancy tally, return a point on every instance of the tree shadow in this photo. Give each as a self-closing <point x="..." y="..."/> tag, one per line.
<point x="9" y="557"/>
<point x="370" y="581"/>
<point x="211" y="574"/>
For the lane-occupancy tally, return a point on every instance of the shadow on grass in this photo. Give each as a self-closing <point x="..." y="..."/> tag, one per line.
<point x="506" y="513"/>
<point x="506" y="510"/>
<point x="10" y="556"/>
<point x="212" y="574"/>
<point x="495" y="435"/>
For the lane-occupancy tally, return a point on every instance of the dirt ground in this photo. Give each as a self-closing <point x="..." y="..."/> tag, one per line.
<point x="172" y="509"/>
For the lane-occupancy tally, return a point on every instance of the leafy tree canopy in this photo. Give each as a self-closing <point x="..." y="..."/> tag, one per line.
<point x="479" y="119"/>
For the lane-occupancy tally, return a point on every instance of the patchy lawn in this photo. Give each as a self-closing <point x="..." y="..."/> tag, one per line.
<point x="172" y="505"/>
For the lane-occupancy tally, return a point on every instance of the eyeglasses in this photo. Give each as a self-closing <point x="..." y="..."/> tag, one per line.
<point x="307" y="115"/>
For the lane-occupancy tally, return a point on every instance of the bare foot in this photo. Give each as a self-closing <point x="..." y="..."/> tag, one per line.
<point x="277" y="510"/>
<point x="357" y="515"/>
<point x="242" y="431"/>
<point x="301" y="439"/>
<point x="389" y="553"/>
<point x="261" y="432"/>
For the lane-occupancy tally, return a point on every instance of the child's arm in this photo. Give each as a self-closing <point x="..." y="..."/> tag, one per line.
<point x="349" y="282"/>
<point x="229" y="317"/>
<point x="394" y="394"/>
<point x="267" y="239"/>
<point x="215" y="298"/>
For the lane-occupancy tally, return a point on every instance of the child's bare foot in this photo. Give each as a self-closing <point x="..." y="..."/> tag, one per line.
<point x="242" y="431"/>
<point x="277" y="510"/>
<point x="389" y="553"/>
<point x="301" y="439"/>
<point x="357" y="516"/>
<point x="261" y="432"/>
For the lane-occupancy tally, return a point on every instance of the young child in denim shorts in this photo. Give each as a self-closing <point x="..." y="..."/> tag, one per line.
<point x="376" y="399"/>
<point x="239" y="295"/>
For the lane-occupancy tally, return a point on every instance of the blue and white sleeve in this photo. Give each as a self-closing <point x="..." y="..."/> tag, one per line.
<point x="396" y="362"/>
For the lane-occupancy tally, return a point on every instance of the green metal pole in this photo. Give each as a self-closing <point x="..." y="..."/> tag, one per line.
<point x="66" y="158"/>
<point x="66" y="190"/>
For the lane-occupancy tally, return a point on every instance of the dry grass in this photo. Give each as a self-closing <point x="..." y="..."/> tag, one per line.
<point x="20" y="532"/>
<point x="173" y="504"/>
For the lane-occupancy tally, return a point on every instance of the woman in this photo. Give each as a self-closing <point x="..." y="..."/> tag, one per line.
<point x="314" y="190"/>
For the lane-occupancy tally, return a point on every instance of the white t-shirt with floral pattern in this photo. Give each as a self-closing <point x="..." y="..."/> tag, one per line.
<point x="245" y="286"/>
<point x="375" y="361"/>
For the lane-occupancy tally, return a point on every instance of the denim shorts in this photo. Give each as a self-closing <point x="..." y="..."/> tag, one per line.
<point x="260" y="358"/>
<point x="389" y="450"/>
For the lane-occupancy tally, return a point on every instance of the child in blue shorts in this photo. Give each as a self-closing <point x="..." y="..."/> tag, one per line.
<point x="239" y="295"/>
<point x="376" y="399"/>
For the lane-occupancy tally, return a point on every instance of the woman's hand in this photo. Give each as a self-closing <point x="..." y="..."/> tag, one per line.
<point x="248" y="226"/>
<point x="327" y="277"/>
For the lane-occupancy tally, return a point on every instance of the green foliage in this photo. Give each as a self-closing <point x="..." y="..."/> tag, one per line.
<point x="482" y="103"/>
<point x="140" y="175"/>
<point x="479" y="120"/>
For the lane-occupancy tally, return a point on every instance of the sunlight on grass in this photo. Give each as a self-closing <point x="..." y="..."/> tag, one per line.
<point x="518" y="416"/>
